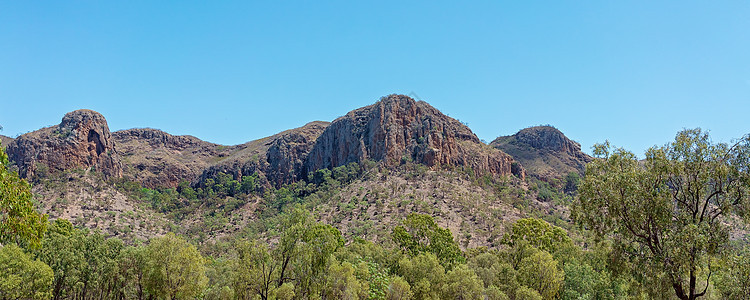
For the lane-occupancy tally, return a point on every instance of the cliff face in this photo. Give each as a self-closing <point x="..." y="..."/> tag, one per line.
<point x="398" y="128"/>
<point x="81" y="140"/>
<point x="279" y="158"/>
<point x="393" y="130"/>
<point x="157" y="159"/>
<point x="544" y="151"/>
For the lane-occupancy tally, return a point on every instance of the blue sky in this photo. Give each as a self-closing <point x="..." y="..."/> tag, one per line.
<point x="633" y="72"/>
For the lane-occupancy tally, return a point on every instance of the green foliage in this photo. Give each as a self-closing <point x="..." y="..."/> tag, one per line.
<point x="665" y="213"/>
<point x="572" y="181"/>
<point x="220" y="274"/>
<point x="398" y="289"/>
<point x="341" y="282"/>
<point x="174" y="269"/>
<point x="424" y="274"/>
<point x="734" y="280"/>
<point x="84" y="264"/>
<point x="494" y="293"/>
<point x="20" y="223"/>
<point x="256" y="271"/>
<point x="249" y="184"/>
<point x="525" y="293"/>
<point x="582" y="281"/>
<point x="132" y="272"/>
<point x="301" y="259"/>
<point x="21" y="277"/>
<point x="541" y="273"/>
<point x="462" y="283"/>
<point x="537" y="233"/>
<point x="419" y="233"/>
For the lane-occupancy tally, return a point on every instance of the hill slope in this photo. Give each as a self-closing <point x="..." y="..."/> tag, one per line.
<point x="386" y="160"/>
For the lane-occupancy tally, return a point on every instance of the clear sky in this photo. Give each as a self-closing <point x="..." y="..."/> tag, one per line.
<point x="633" y="72"/>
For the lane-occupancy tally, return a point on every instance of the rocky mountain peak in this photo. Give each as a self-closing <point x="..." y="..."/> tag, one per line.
<point x="81" y="140"/>
<point x="547" y="137"/>
<point x="544" y="151"/>
<point x="398" y="128"/>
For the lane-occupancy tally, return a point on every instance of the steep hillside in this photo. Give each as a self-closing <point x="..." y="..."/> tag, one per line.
<point x="89" y="200"/>
<point x="378" y="164"/>
<point x="397" y="129"/>
<point x="278" y="158"/>
<point x="476" y="211"/>
<point x="81" y="140"/>
<point x="544" y="152"/>
<point x="5" y="140"/>
<point x="157" y="159"/>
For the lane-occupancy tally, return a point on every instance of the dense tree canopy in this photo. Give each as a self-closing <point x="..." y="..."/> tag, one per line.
<point x="668" y="212"/>
<point x="22" y="277"/>
<point x="419" y="233"/>
<point x="175" y="269"/>
<point x="537" y="233"/>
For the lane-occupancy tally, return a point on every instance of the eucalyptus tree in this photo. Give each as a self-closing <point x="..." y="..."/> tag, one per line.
<point x="668" y="212"/>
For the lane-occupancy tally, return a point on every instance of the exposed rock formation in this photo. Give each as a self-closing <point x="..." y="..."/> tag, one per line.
<point x="279" y="158"/>
<point x="81" y="140"/>
<point x="544" y="151"/>
<point x="155" y="158"/>
<point x="398" y="128"/>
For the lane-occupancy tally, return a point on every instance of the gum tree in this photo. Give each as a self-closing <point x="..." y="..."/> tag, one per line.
<point x="668" y="212"/>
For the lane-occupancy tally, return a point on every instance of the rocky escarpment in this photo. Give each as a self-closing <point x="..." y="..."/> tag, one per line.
<point x="544" y="151"/>
<point x="279" y="158"/>
<point x="81" y="140"/>
<point x="155" y="158"/>
<point x="397" y="128"/>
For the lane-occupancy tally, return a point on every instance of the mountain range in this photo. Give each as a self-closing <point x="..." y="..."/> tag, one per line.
<point x="78" y="169"/>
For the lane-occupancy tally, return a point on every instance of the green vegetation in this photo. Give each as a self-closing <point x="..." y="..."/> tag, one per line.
<point x="641" y="236"/>
<point x="665" y="215"/>
<point x="20" y="223"/>
<point x="21" y="277"/>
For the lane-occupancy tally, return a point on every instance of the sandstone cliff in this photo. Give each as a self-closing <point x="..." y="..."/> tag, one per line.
<point x="544" y="151"/>
<point x="398" y="128"/>
<point x="81" y="140"/>
<point x="279" y="158"/>
<point x="155" y="158"/>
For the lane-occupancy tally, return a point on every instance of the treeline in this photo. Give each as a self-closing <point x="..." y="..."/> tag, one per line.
<point x="633" y="241"/>
<point x="309" y="260"/>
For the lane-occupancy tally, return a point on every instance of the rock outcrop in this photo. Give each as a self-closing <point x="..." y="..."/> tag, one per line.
<point x="544" y="151"/>
<point x="397" y="129"/>
<point x="155" y="158"/>
<point x="279" y="158"/>
<point x="81" y="140"/>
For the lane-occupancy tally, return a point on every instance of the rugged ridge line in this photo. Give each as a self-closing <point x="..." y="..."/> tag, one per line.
<point x="155" y="158"/>
<point x="544" y="151"/>
<point x="81" y="140"/>
<point x="398" y="128"/>
<point x="279" y="158"/>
